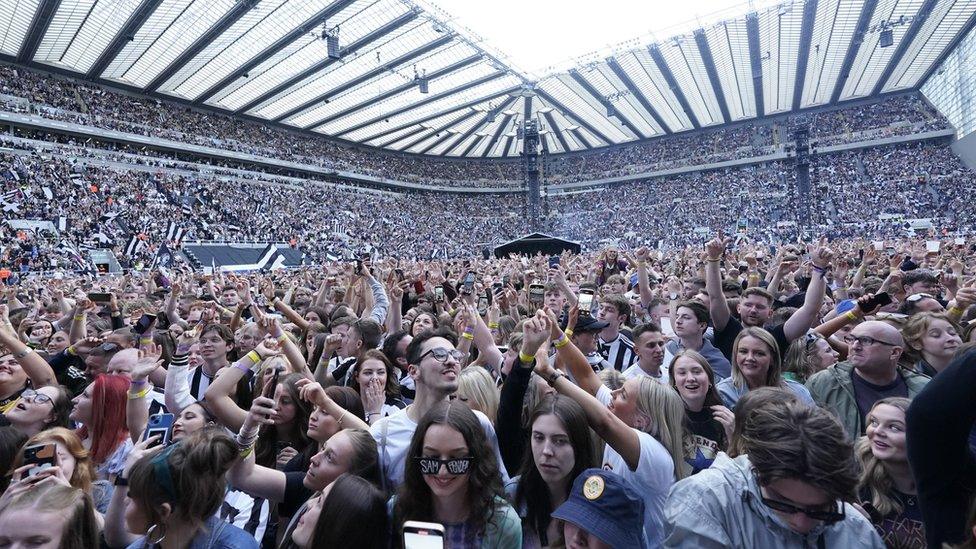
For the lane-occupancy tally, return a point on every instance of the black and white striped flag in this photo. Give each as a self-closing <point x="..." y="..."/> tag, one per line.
<point x="174" y="232"/>
<point x="134" y="246"/>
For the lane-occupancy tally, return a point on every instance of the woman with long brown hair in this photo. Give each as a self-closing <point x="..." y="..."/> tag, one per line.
<point x="886" y="488"/>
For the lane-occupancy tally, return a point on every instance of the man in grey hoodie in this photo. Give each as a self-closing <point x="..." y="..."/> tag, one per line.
<point x="787" y="491"/>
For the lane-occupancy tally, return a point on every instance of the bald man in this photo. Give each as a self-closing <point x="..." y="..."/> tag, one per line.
<point x="849" y="389"/>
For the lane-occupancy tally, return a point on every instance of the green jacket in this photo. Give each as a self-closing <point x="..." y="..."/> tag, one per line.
<point x="833" y="389"/>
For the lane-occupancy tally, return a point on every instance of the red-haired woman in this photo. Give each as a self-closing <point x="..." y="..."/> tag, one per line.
<point x="101" y="411"/>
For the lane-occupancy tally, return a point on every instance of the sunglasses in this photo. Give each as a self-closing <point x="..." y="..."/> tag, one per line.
<point x="455" y="466"/>
<point x="441" y="354"/>
<point x="826" y="516"/>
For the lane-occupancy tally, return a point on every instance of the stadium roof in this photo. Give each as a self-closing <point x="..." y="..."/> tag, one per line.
<point x="270" y="59"/>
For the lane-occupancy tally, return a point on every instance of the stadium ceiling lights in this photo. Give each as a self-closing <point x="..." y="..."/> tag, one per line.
<point x="282" y="61"/>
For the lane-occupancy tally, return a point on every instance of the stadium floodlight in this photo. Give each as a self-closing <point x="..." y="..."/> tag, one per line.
<point x="887" y="38"/>
<point x="421" y="79"/>
<point x="331" y="37"/>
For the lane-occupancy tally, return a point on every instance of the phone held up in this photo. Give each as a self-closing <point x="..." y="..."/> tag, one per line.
<point x="40" y="457"/>
<point x="585" y="301"/>
<point x="422" y="535"/>
<point x="162" y="425"/>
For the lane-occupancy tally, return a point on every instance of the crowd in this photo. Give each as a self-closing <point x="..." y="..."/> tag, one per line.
<point x="736" y="394"/>
<point x="108" y="198"/>
<point x="84" y="103"/>
<point x="707" y="372"/>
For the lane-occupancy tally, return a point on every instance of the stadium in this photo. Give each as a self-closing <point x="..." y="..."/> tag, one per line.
<point x="557" y="207"/>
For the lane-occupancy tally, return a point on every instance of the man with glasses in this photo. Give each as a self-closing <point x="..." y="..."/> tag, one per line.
<point x="849" y="389"/>
<point x="786" y="489"/>
<point x="434" y="364"/>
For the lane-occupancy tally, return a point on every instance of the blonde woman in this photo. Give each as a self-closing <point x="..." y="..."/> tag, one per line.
<point x="886" y="488"/>
<point x="807" y="356"/>
<point x="477" y="389"/>
<point x="931" y="340"/>
<point x="755" y="363"/>
<point x="642" y="422"/>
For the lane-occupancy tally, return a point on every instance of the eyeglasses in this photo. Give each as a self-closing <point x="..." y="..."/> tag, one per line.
<point x="826" y="516"/>
<point x="441" y="354"/>
<point x="918" y="297"/>
<point x="31" y="395"/>
<point x="455" y="466"/>
<point x="866" y="341"/>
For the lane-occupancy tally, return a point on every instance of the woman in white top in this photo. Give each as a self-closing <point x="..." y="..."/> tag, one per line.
<point x="642" y="422"/>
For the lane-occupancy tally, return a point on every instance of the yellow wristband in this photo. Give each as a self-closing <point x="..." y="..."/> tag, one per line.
<point x="282" y="338"/>
<point x="561" y="342"/>
<point x="140" y="394"/>
<point x="526" y="358"/>
<point x="467" y="336"/>
<point x="851" y="315"/>
<point x="254" y="356"/>
<point x="246" y="452"/>
<point x="956" y="310"/>
<point x="569" y="332"/>
<point x="492" y="325"/>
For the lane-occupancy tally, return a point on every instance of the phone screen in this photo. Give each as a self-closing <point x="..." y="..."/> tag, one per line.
<point x="98" y="297"/>
<point x="585" y="302"/>
<point x="415" y="537"/>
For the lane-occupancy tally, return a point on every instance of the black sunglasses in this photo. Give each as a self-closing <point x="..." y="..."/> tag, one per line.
<point x="455" y="466"/>
<point x="828" y="517"/>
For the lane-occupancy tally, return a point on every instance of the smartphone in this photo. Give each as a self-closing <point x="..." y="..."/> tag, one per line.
<point x="537" y="292"/>
<point x="879" y="245"/>
<point x="438" y="293"/>
<point x="97" y="297"/>
<point x="879" y="300"/>
<point x="468" y="283"/>
<point x="40" y="457"/>
<point x="585" y="300"/>
<point x="496" y="287"/>
<point x="932" y="246"/>
<point x="359" y="266"/>
<point x="553" y="261"/>
<point x="482" y="305"/>
<point x="162" y="425"/>
<point x="145" y="322"/>
<point x="270" y="387"/>
<point x="422" y="535"/>
<point x="960" y="241"/>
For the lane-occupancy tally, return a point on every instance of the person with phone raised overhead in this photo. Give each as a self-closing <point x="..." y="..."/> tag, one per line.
<point x="871" y="372"/>
<point x="433" y="363"/>
<point x="452" y="478"/>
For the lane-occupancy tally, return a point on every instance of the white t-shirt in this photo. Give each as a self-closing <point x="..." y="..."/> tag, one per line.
<point x="652" y="479"/>
<point x="635" y="371"/>
<point x="399" y="431"/>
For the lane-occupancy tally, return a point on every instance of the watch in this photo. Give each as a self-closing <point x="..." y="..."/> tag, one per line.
<point x="673" y="296"/>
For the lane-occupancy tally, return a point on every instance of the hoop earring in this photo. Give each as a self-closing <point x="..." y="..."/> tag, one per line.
<point x="152" y="530"/>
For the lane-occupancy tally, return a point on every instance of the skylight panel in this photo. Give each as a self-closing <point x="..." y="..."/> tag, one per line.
<point x="399" y="77"/>
<point x="833" y="31"/>
<point x="563" y="90"/>
<point x="80" y="31"/>
<point x="355" y="22"/>
<point x="252" y="33"/>
<point x="643" y="72"/>
<point x="729" y="44"/>
<point x="414" y="115"/>
<point x="947" y="20"/>
<point x="872" y="59"/>
<point x="609" y="86"/>
<point x="172" y="28"/>
<point x="685" y="63"/>
<point x="15" y="20"/>
<point x="385" y="52"/>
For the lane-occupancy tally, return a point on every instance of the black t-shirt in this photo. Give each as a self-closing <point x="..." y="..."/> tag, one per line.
<point x="904" y="529"/>
<point x="867" y="393"/>
<point x="709" y="439"/>
<point x="295" y="494"/>
<point x="724" y="339"/>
